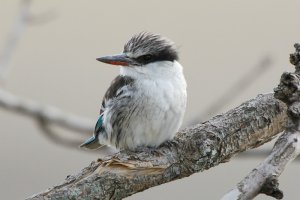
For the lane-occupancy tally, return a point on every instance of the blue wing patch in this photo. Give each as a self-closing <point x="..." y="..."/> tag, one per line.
<point x="99" y="124"/>
<point x="93" y="142"/>
<point x="89" y="141"/>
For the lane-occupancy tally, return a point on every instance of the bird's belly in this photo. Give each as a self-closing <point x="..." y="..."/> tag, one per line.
<point x="157" y="119"/>
<point x="160" y="129"/>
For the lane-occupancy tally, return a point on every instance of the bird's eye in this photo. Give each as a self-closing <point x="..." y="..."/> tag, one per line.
<point x="146" y="57"/>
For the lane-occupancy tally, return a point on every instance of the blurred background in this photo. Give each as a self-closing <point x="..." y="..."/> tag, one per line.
<point x="231" y="51"/>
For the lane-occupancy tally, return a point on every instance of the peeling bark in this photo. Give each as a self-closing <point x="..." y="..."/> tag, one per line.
<point x="194" y="149"/>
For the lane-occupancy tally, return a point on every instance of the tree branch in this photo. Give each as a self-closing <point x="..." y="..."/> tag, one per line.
<point x="14" y="36"/>
<point x="44" y="113"/>
<point x="263" y="179"/>
<point x="193" y="150"/>
<point x="23" y="19"/>
<point x="237" y="88"/>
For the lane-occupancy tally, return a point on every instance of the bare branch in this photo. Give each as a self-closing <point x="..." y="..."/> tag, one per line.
<point x="44" y="113"/>
<point x="286" y="150"/>
<point x="57" y="138"/>
<point x="14" y="36"/>
<point x="263" y="179"/>
<point x="193" y="149"/>
<point x="235" y="90"/>
<point x="23" y="19"/>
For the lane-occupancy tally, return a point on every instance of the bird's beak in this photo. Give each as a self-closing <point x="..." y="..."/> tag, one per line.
<point x="120" y="59"/>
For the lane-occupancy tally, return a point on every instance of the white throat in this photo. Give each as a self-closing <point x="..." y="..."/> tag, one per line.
<point x="156" y="70"/>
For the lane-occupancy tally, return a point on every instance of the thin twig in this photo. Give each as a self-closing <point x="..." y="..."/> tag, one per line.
<point x="56" y="138"/>
<point x="13" y="38"/>
<point x="48" y="114"/>
<point x="238" y="87"/>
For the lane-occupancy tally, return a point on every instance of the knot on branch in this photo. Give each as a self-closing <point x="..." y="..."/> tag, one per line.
<point x="270" y="188"/>
<point x="288" y="89"/>
<point x="295" y="58"/>
<point x="294" y="110"/>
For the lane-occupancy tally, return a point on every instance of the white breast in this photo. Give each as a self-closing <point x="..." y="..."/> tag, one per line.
<point x="161" y="99"/>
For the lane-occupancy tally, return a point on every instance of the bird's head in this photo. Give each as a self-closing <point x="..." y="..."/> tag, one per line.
<point x="144" y="49"/>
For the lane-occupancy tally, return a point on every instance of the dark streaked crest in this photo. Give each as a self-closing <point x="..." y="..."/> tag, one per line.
<point x="147" y="47"/>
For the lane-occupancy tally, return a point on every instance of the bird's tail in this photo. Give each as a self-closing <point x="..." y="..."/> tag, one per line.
<point x="91" y="143"/>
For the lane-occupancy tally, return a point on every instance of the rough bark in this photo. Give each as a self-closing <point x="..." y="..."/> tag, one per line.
<point x="192" y="150"/>
<point x="264" y="178"/>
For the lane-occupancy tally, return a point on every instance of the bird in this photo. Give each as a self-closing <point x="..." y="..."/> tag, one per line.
<point x="145" y="104"/>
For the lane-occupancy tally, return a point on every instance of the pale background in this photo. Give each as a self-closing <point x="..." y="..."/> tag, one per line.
<point x="54" y="63"/>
